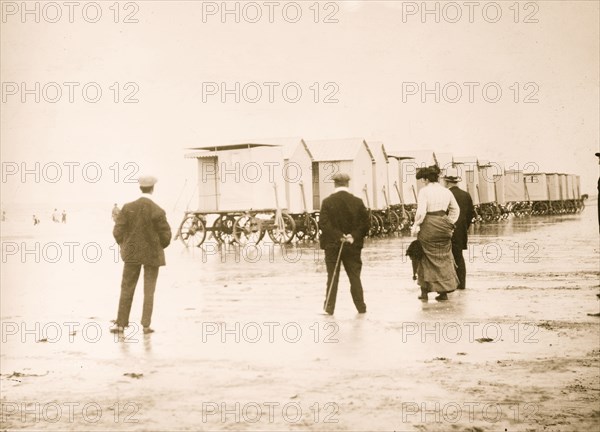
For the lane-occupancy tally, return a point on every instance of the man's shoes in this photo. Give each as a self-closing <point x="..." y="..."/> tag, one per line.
<point x="460" y="287"/>
<point x="442" y="297"/>
<point x="148" y="330"/>
<point x="117" y="330"/>
<point x="364" y="311"/>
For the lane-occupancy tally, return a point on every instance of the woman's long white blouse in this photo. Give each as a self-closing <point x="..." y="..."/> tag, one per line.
<point x="434" y="197"/>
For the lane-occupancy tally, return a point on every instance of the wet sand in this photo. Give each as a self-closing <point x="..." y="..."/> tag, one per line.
<point x="243" y="345"/>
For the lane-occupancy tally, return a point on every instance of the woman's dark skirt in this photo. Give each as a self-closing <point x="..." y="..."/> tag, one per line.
<point x="437" y="270"/>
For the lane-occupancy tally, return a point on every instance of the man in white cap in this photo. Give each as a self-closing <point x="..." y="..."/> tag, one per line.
<point x="343" y="216"/>
<point x="142" y="232"/>
<point x="460" y="235"/>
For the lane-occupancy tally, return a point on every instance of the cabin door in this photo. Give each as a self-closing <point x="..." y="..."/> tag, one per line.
<point x="208" y="184"/>
<point x="316" y="186"/>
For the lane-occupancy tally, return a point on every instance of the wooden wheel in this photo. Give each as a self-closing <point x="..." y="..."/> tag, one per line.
<point x="223" y="229"/>
<point x="374" y="226"/>
<point x="395" y="220"/>
<point x="307" y="228"/>
<point x="391" y="221"/>
<point x="540" y="208"/>
<point x="282" y="229"/>
<point x="476" y="214"/>
<point x="404" y="219"/>
<point x="248" y="229"/>
<point x="521" y="209"/>
<point x="557" y="207"/>
<point x="192" y="231"/>
<point x="486" y="213"/>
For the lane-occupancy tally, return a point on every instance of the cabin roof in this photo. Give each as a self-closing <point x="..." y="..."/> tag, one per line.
<point x="288" y="146"/>
<point x="337" y="149"/>
<point x="200" y="154"/>
<point x="465" y="159"/>
<point x="231" y="146"/>
<point x="420" y="156"/>
<point x="397" y="156"/>
<point x="378" y="145"/>
<point x="443" y="159"/>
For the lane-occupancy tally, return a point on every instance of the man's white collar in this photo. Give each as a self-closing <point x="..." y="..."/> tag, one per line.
<point x="147" y="195"/>
<point x="341" y="188"/>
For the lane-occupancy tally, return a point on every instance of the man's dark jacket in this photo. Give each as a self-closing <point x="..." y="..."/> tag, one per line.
<point x="142" y="232"/>
<point x="465" y="203"/>
<point x="343" y="213"/>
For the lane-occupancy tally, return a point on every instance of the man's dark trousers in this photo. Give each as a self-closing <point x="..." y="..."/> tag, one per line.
<point x="353" y="265"/>
<point x="461" y="268"/>
<point x="142" y="233"/>
<point x="460" y="235"/>
<point x="131" y="274"/>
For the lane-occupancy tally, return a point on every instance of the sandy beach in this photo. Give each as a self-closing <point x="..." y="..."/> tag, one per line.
<point x="241" y="343"/>
<point x="248" y="109"/>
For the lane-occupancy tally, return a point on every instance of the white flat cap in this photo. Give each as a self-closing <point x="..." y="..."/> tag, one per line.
<point x="147" y="181"/>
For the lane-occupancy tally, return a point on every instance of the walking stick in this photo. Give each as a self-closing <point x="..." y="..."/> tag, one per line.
<point x="337" y="264"/>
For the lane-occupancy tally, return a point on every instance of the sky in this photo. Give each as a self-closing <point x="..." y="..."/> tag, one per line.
<point x="376" y="63"/>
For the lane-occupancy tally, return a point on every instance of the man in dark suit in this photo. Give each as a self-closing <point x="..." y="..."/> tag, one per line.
<point x="460" y="236"/>
<point x="343" y="216"/>
<point x="142" y="232"/>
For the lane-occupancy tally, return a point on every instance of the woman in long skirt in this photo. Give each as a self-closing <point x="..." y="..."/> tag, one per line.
<point x="437" y="211"/>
